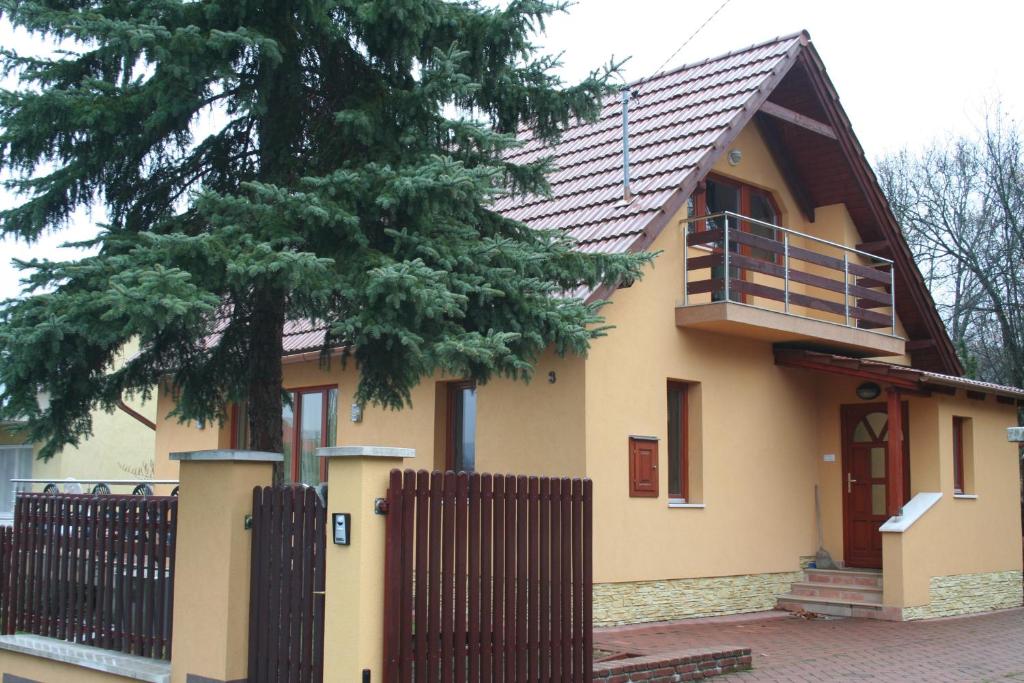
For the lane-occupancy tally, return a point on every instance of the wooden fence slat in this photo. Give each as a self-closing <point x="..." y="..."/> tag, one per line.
<point x="511" y="624"/>
<point x="473" y="580"/>
<point x="461" y="502"/>
<point x="557" y="617"/>
<point x="577" y="578"/>
<point x="434" y="579"/>
<point x="448" y="580"/>
<point x="422" y="576"/>
<point x="393" y="578"/>
<point x="566" y="633"/>
<point x="319" y="586"/>
<point x="408" y="520"/>
<point x="588" y="579"/>
<point x="533" y="579"/>
<point x="498" y="615"/>
<point x="545" y="579"/>
<point x="522" y="579"/>
<point x="486" y="580"/>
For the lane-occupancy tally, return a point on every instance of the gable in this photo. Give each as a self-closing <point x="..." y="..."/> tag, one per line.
<point x="682" y="122"/>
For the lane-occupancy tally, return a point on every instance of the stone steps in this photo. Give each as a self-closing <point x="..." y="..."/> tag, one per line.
<point x="838" y="593"/>
<point x="814" y="589"/>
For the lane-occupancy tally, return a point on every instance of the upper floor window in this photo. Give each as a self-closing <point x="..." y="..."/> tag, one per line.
<point x="722" y="195"/>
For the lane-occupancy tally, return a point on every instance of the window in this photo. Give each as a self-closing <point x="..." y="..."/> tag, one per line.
<point x="963" y="461"/>
<point x="721" y="195"/>
<point x="678" y="474"/>
<point x="309" y="420"/>
<point x="15" y="463"/>
<point x="460" y="447"/>
<point x="643" y="467"/>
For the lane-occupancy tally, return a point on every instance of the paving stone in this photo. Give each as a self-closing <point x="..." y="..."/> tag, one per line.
<point x="973" y="648"/>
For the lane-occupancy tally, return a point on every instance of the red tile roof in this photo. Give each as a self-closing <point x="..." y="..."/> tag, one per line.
<point x="676" y="119"/>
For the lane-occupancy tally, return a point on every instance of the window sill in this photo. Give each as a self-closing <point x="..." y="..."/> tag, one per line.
<point x="680" y="503"/>
<point x="965" y="496"/>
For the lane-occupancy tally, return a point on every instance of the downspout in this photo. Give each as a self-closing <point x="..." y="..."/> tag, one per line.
<point x="141" y="418"/>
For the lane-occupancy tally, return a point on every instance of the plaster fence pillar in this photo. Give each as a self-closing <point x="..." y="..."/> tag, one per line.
<point x="354" y="574"/>
<point x="212" y="565"/>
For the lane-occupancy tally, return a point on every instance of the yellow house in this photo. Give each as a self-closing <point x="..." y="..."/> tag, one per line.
<point x="120" y="449"/>
<point x="783" y="349"/>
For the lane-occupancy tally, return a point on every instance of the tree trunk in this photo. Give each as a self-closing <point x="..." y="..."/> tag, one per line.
<point x="265" y="388"/>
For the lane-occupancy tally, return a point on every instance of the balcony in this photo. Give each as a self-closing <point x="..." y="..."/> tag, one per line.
<point x="785" y="286"/>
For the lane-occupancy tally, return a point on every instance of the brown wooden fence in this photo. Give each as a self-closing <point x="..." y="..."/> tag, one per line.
<point x="286" y="604"/>
<point x="488" y="578"/>
<point x="97" y="570"/>
<point x="6" y="547"/>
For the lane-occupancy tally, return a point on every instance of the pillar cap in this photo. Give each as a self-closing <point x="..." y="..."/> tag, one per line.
<point x="365" y="451"/>
<point x="227" y="455"/>
<point x="1015" y="434"/>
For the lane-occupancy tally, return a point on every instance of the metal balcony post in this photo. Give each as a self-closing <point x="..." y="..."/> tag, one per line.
<point x="686" y="263"/>
<point x="785" y="267"/>
<point x="892" y="295"/>
<point x="725" y="232"/>
<point x="846" y="286"/>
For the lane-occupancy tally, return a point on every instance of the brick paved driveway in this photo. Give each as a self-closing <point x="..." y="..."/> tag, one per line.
<point x="989" y="647"/>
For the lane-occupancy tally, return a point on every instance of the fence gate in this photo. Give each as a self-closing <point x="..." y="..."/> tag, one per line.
<point x="286" y="604"/>
<point x="488" y="578"/>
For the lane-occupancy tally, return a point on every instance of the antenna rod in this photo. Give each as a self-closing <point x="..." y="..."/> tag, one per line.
<point x="627" y="195"/>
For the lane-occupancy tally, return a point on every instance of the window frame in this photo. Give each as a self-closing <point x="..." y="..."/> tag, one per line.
<point x="959" y="476"/>
<point x="745" y="190"/>
<point x="680" y="456"/>
<point x="296" y="394"/>
<point x="451" y="389"/>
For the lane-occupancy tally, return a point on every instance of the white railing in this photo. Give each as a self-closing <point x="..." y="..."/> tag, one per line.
<point x="740" y="247"/>
<point x="139" y="487"/>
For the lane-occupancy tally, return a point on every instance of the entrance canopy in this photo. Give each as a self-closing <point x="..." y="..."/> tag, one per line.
<point x="901" y="376"/>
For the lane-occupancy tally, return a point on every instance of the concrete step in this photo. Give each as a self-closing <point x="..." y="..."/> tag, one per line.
<point x="817" y="589"/>
<point x="833" y="607"/>
<point x="845" y="577"/>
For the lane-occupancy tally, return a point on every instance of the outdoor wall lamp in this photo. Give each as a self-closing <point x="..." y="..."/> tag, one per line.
<point x="868" y="391"/>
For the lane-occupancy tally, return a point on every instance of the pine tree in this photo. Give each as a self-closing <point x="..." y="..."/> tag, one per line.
<point x="354" y="151"/>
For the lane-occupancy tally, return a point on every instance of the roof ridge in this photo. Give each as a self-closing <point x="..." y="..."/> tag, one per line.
<point x="803" y="33"/>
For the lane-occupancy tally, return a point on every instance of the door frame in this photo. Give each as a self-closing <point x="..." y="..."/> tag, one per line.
<point x="849" y="414"/>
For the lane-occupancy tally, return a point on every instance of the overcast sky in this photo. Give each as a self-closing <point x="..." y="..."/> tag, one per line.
<point x="907" y="71"/>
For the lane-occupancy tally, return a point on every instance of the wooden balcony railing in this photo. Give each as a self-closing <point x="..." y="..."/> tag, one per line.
<point x="757" y="263"/>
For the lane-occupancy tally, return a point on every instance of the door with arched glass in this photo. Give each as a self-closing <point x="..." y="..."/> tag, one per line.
<point x="865" y="481"/>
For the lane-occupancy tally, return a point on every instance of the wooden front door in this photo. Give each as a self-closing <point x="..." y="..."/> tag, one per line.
<point x="865" y="436"/>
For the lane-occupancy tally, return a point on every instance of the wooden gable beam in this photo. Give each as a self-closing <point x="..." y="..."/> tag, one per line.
<point x="798" y="119"/>
<point x="773" y="142"/>
<point x="878" y="246"/>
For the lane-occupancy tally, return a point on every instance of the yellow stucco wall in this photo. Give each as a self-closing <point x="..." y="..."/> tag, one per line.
<point x="534" y="428"/>
<point x="31" y="668"/>
<point x="958" y="536"/>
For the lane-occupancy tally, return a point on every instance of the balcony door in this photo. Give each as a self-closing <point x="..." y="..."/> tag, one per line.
<point x="720" y="195"/>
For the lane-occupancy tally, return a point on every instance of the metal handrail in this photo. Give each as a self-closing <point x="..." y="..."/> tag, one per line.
<point x="876" y="261"/>
<point x="111" y="482"/>
<point x="748" y="219"/>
